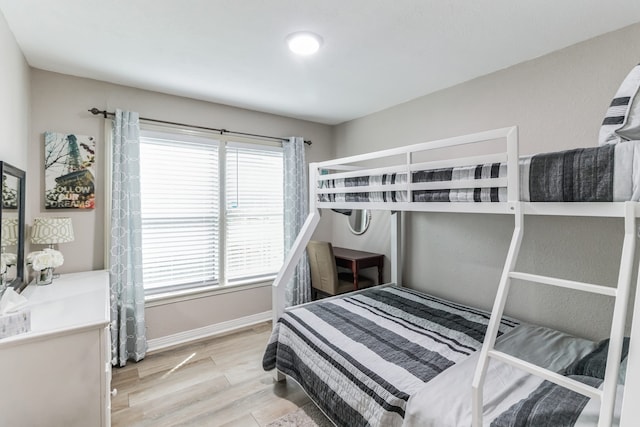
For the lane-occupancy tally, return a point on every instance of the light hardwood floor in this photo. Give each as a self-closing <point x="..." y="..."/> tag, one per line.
<point x="217" y="382"/>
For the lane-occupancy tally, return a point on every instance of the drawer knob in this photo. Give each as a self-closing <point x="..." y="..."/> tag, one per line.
<point x="114" y="392"/>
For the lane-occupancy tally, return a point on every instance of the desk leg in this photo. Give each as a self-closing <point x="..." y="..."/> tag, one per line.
<point x="354" y="270"/>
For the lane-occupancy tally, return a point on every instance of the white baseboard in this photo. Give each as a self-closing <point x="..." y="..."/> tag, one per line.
<point x="209" y="331"/>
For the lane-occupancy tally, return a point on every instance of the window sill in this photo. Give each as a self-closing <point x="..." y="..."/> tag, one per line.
<point x="201" y="292"/>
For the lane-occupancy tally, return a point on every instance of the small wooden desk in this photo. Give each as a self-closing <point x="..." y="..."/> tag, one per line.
<point x="357" y="260"/>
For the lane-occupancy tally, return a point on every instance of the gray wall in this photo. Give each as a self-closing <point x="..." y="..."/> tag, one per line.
<point x="60" y="104"/>
<point x="558" y="102"/>
<point x="14" y="99"/>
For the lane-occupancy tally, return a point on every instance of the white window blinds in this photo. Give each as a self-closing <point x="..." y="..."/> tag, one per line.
<point x="179" y="186"/>
<point x="212" y="211"/>
<point x="254" y="211"/>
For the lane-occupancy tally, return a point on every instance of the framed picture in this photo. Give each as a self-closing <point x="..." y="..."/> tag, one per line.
<point x="69" y="176"/>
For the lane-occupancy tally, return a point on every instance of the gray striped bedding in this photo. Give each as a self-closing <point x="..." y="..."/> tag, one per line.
<point x="621" y="122"/>
<point x="360" y="357"/>
<point x="548" y="401"/>
<point x="551" y="404"/>
<point x="513" y="397"/>
<point x="563" y="406"/>
<point x="608" y="173"/>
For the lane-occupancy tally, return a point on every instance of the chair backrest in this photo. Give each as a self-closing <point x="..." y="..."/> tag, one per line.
<point x="324" y="273"/>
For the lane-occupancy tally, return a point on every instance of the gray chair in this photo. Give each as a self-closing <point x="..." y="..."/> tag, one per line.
<point x="325" y="279"/>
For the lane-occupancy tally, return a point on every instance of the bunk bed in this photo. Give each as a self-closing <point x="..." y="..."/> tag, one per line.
<point x="390" y="356"/>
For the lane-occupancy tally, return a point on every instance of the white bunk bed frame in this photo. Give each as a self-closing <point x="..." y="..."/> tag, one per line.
<point x="628" y="211"/>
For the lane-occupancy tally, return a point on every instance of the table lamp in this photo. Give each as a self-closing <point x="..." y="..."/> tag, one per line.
<point x="51" y="231"/>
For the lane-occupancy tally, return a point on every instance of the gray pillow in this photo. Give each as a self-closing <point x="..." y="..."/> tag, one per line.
<point x="595" y="363"/>
<point x="622" y="120"/>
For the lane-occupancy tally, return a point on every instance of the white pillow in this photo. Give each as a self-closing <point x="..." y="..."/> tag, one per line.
<point x="622" y="121"/>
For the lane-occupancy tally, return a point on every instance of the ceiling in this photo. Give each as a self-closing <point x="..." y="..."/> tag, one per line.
<point x="376" y="53"/>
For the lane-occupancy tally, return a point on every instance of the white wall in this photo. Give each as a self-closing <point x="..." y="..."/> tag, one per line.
<point x="60" y="103"/>
<point x="558" y="101"/>
<point x="14" y="100"/>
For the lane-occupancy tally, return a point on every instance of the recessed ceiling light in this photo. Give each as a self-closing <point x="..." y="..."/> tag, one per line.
<point x="304" y="43"/>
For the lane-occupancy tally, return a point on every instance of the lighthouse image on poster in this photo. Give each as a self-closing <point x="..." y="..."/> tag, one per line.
<point x="69" y="161"/>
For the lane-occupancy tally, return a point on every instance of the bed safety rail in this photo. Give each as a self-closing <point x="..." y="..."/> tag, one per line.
<point x="344" y="183"/>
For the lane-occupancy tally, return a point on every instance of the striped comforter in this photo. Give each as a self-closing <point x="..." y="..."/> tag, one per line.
<point x="360" y="357"/>
<point x="597" y="174"/>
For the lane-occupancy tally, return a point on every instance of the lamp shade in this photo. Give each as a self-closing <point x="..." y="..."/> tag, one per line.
<point x="9" y="231"/>
<point x="51" y="230"/>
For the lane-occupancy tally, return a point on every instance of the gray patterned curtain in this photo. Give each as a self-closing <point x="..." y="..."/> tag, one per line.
<point x="296" y="209"/>
<point x="128" y="340"/>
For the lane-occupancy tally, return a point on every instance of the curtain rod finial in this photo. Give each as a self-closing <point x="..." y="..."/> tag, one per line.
<point x="95" y="112"/>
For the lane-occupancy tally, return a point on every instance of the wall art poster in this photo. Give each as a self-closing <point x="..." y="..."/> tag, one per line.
<point x="69" y="171"/>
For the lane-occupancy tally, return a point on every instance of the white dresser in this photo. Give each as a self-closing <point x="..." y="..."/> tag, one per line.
<point x="59" y="374"/>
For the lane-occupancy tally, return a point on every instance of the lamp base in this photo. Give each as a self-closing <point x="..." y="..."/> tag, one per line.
<point x="44" y="277"/>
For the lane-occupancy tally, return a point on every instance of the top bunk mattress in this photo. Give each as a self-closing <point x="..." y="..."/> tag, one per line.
<point x="608" y="173"/>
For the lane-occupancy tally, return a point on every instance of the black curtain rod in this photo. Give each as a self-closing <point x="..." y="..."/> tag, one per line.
<point x="106" y="113"/>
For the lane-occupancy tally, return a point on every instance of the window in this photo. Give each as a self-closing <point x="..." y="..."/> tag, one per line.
<point x="254" y="219"/>
<point x="212" y="211"/>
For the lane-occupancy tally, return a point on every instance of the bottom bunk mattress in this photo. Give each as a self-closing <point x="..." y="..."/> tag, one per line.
<point x="362" y="356"/>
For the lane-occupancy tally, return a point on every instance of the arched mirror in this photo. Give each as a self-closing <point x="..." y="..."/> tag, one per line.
<point x="359" y="220"/>
<point x="12" y="232"/>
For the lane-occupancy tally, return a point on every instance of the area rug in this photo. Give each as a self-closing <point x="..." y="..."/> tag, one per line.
<point x="306" y="416"/>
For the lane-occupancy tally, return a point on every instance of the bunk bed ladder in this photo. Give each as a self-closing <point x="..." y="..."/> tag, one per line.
<point x="620" y="293"/>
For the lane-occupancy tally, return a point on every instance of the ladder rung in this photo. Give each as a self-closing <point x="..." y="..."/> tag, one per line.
<point x="548" y="375"/>
<point x="570" y="284"/>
